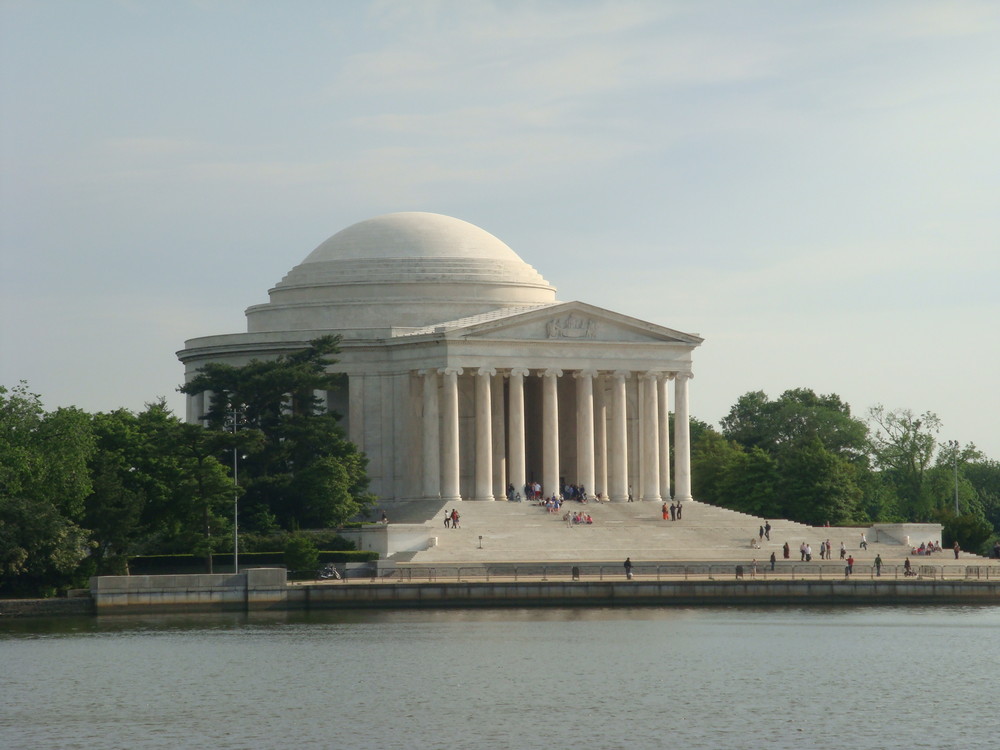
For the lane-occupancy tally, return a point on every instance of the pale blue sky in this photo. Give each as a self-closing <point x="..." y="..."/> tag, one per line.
<point x="813" y="187"/>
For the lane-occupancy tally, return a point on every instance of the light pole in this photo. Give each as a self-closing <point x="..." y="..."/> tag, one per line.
<point x="953" y="444"/>
<point x="235" y="420"/>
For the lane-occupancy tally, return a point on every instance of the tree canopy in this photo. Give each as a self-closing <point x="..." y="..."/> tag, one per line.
<point x="297" y="468"/>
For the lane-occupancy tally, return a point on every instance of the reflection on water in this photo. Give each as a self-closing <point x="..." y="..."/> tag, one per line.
<point x="524" y="678"/>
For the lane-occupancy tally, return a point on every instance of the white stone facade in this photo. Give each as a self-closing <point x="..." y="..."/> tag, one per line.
<point x="466" y="375"/>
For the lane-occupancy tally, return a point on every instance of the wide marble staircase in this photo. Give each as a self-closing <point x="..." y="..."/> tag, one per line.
<point x="523" y="532"/>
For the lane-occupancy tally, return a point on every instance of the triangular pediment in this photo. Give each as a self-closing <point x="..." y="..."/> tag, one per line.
<point x="566" y="322"/>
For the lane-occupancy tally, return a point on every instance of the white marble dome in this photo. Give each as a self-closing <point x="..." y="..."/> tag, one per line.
<point x="400" y="270"/>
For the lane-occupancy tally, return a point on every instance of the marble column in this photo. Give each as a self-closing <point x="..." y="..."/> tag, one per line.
<point x="450" y="468"/>
<point x="484" y="434"/>
<point x="600" y="439"/>
<point x="648" y="424"/>
<point x="431" y="436"/>
<point x="663" y="401"/>
<point x="499" y="440"/>
<point x="618" y="440"/>
<point x="585" y="429"/>
<point x="516" y="419"/>
<point x="682" y="438"/>
<point x="550" y="432"/>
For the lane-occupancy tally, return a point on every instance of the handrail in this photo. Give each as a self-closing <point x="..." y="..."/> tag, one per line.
<point x="682" y="571"/>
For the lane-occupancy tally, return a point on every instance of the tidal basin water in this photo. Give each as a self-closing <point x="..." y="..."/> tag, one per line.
<point x="873" y="677"/>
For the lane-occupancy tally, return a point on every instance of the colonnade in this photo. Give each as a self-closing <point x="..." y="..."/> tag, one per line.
<point x="601" y="427"/>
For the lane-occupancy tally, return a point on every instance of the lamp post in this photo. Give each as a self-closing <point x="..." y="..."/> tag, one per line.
<point x="953" y="444"/>
<point x="234" y="419"/>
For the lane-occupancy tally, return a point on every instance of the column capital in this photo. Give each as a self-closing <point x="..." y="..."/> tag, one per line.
<point x="684" y="375"/>
<point x="669" y="375"/>
<point x="585" y="374"/>
<point x="552" y="372"/>
<point x="651" y="375"/>
<point x="621" y="374"/>
<point x="487" y="371"/>
<point x="522" y="371"/>
<point x="426" y="371"/>
<point x="450" y="370"/>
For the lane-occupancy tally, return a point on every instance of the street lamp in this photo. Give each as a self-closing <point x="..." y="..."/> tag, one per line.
<point x="235" y="420"/>
<point x="953" y="444"/>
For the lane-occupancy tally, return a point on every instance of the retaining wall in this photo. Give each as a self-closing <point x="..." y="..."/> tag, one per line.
<point x="636" y="592"/>
<point x="256" y="588"/>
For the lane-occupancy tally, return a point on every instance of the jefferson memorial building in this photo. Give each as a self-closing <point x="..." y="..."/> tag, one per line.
<point x="464" y="373"/>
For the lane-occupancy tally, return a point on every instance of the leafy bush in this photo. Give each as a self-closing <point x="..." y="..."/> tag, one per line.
<point x="301" y="553"/>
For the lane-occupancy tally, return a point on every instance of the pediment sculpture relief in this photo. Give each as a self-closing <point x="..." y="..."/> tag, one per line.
<point x="571" y="327"/>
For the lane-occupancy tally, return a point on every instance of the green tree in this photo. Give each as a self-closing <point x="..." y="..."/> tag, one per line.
<point x="902" y="448"/>
<point x="300" y="468"/>
<point x="730" y="476"/>
<point x="43" y="483"/>
<point x="797" y="415"/>
<point x="818" y="486"/>
<point x="157" y="488"/>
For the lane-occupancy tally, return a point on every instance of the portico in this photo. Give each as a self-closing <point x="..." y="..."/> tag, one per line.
<point x="569" y="448"/>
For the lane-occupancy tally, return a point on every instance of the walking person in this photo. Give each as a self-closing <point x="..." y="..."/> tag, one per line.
<point x="850" y="565"/>
<point x="878" y="565"/>
<point x="628" y="568"/>
<point x="767" y="530"/>
<point x="957" y="549"/>
<point x="773" y="561"/>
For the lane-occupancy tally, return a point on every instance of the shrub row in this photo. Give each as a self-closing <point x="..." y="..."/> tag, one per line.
<point x="180" y="564"/>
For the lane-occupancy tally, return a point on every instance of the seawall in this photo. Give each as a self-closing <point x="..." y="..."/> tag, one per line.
<point x="267" y="589"/>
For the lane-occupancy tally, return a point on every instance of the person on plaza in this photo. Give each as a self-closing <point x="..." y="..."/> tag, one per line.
<point x="753" y="568"/>
<point x="447" y="519"/>
<point x="843" y="550"/>
<point x="384" y="519"/>
<point x="454" y="519"/>
<point x="762" y="533"/>
<point x="850" y="564"/>
<point x="773" y="561"/>
<point x="628" y="568"/>
<point x="786" y="551"/>
<point x="767" y="530"/>
<point x="678" y="510"/>
<point x="822" y="550"/>
<point x="665" y="511"/>
<point x="809" y="553"/>
<point x="864" y="541"/>
<point x="878" y="565"/>
<point x="802" y="552"/>
<point x="673" y="512"/>
<point x="957" y="549"/>
<point x="907" y="571"/>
